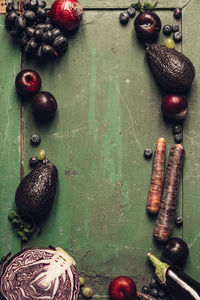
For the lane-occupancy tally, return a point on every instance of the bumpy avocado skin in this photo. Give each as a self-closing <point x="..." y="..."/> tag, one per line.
<point x="173" y="71"/>
<point x="35" y="193"/>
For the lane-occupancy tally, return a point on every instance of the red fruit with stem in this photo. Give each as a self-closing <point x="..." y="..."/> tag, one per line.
<point x="28" y="82"/>
<point x="147" y="26"/>
<point x="122" y="288"/>
<point x="174" y="106"/>
<point x="66" y="14"/>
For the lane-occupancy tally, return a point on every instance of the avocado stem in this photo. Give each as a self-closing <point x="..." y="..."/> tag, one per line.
<point x="160" y="267"/>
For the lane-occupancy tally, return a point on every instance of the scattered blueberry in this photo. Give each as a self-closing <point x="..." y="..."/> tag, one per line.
<point x="177" y="12"/>
<point x="175" y="27"/>
<point x="33" y="161"/>
<point x="178" y="138"/>
<point x="148" y="153"/>
<point x="35" y="139"/>
<point x="45" y="160"/>
<point x="145" y="289"/>
<point x="177" y="129"/>
<point x="161" y="294"/>
<point x="124" y="18"/>
<point x="167" y="29"/>
<point x="178" y="220"/>
<point x="154" y="293"/>
<point x="177" y="36"/>
<point x="131" y="11"/>
<point x="153" y="283"/>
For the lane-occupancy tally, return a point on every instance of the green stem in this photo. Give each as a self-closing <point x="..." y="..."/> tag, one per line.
<point x="160" y="267"/>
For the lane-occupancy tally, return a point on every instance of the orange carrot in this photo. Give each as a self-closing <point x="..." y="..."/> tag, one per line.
<point x="155" y="189"/>
<point x="165" y="218"/>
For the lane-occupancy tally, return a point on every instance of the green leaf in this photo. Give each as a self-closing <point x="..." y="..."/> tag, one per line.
<point x="22" y="235"/>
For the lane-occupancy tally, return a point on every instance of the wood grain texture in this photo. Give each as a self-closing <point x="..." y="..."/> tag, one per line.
<point x="9" y="135"/>
<point x="108" y="113"/>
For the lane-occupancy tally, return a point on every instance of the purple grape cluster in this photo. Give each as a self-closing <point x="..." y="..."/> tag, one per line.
<point x="29" y="24"/>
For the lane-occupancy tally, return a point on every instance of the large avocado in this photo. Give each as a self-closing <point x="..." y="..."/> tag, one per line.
<point x="173" y="71"/>
<point x="35" y="193"/>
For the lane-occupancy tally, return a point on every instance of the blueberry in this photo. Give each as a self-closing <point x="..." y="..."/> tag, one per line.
<point x="153" y="283"/>
<point x="131" y="11"/>
<point x="33" y="161"/>
<point x="148" y="153"/>
<point x="178" y="138"/>
<point x="145" y="289"/>
<point x="124" y="18"/>
<point x="175" y="27"/>
<point x="177" y="12"/>
<point x="45" y="160"/>
<point x="35" y="139"/>
<point x="153" y="293"/>
<point x="177" y="129"/>
<point x="177" y="36"/>
<point x="167" y="29"/>
<point x="178" y="220"/>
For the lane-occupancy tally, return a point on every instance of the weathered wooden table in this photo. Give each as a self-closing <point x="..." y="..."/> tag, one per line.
<point x="108" y="113"/>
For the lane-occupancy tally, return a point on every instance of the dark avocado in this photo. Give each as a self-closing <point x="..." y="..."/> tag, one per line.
<point x="173" y="71"/>
<point x="35" y="193"/>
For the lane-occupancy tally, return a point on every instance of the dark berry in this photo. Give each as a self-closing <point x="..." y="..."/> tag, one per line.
<point x="175" y="27"/>
<point x="33" y="161"/>
<point x="131" y="11"/>
<point x="153" y="283"/>
<point x="35" y="139"/>
<point x="177" y="36"/>
<point x="11" y="7"/>
<point x="15" y="33"/>
<point x="30" y="16"/>
<point x="161" y="294"/>
<point x="30" y="31"/>
<point x="33" y="4"/>
<point x="124" y="18"/>
<point x="177" y="12"/>
<point x="42" y="4"/>
<point x="42" y="27"/>
<point x="178" y="220"/>
<point x="48" y="37"/>
<point x="60" y="44"/>
<point x="48" y="20"/>
<point x="38" y="53"/>
<point x="167" y="29"/>
<point x="56" y="32"/>
<point x="41" y="13"/>
<point x="10" y="19"/>
<point x="177" y="129"/>
<point x="45" y="160"/>
<point x="145" y="289"/>
<point x="33" y="45"/>
<point x="47" y="51"/>
<point x="38" y="35"/>
<point x="178" y="138"/>
<point x="26" y="4"/>
<point x="148" y="153"/>
<point x="153" y="293"/>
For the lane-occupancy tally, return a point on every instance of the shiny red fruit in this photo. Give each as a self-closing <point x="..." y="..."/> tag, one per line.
<point x="44" y="106"/>
<point x="122" y="288"/>
<point x="28" y="82"/>
<point x="66" y="14"/>
<point x="174" y="106"/>
<point x="147" y="26"/>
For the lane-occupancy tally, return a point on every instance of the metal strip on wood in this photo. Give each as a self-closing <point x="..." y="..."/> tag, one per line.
<point x="3" y="4"/>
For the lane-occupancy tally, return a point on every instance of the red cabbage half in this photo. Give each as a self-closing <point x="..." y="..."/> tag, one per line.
<point x="39" y="273"/>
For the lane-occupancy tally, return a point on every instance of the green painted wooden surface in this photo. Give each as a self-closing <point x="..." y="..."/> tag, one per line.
<point x="108" y="113"/>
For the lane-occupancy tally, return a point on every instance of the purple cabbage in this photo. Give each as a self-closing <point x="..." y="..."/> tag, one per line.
<point x="39" y="273"/>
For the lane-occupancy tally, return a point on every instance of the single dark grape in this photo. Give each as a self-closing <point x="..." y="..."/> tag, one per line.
<point x="26" y="4"/>
<point x="23" y="39"/>
<point x="41" y="3"/>
<point x="177" y="12"/>
<point x="178" y="138"/>
<point x="41" y="13"/>
<point x="48" y="37"/>
<point x="167" y="29"/>
<point x="20" y="23"/>
<point x="161" y="293"/>
<point x="30" y="17"/>
<point x="33" y="161"/>
<point x="33" y="45"/>
<point x="41" y="26"/>
<point x="11" y="7"/>
<point x="177" y="36"/>
<point x="14" y="33"/>
<point x="177" y="129"/>
<point x="30" y="31"/>
<point x="49" y="26"/>
<point x="148" y="153"/>
<point x="56" y="32"/>
<point x="38" y="53"/>
<point x="48" y="21"/>
<point x="153" y="283"/>
<point x="10" y="19"/>
<point x="175" y="27"/>
<point x="60" y="44"/>
<point x="47" y="51"/>
<point x="131" y="11"/>
<point x="38" y="35"/>
<point x="145" y="289"/>
<point x="154" y="293"/>
<point x="178" y="221"/>
<point x="33" y="4"/>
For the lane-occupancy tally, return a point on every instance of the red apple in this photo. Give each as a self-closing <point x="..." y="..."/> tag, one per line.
<point x="28" y="82"/>
<point x="44" y="106"/>
<point x="174" y="106"/>
<point x="122" y="288"/>
<point x="66" y="14"/>
<point x="147" y="26"/>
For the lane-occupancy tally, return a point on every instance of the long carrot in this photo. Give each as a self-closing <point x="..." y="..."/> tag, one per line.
<point x="165" y="218"/>
<point x="157" y="176"/>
